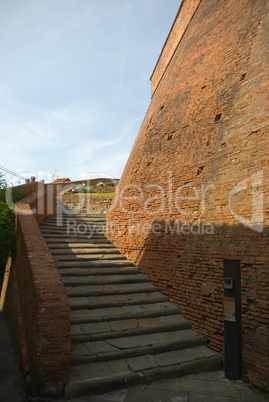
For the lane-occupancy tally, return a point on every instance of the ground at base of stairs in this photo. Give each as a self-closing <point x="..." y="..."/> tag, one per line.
<point x="202" y="387"/>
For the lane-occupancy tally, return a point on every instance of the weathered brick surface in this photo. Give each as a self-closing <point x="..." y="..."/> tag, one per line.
<point x="182" y="20"/>
<point x="41" y="312"/>
<point x="86" y="204"/>
<point x="206" y="127"/>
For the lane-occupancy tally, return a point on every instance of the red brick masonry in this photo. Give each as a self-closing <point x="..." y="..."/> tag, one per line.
<point x="37" y="305"/>
<point x="195" y="189"/>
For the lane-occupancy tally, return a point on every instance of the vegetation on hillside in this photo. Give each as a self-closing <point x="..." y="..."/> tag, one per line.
<point x="7" y="220"/>
<point x="83" y="189"/>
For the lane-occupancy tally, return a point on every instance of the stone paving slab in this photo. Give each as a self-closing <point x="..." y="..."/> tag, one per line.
<point x="87" y="256"/>
<point x="98" y="313"/>
<point x="143" y="325"/>
<point x="140" y="341"/>
<point x="66" y="247"/>
<point x="166" y="307"/>
<point x="117" y="333"/>
<point x="102" y="280"/>
<point x="82" y="316"/>
<point x="169" y="391"/>
<point x="94" y="263"/>
<point x="87" y="249"/>
<point x="138" y="345"/>
<point x="132" y="287"/>
<point x="95" y="327"/>
<point x="124" y="325"/>
<point x="98" y="271"/>
<point x="54" y="242"/>
<point x="116" y="300"/>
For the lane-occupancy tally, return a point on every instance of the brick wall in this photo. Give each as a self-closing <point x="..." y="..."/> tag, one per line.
<point x="185" y="14"/>
<point x="37" y="306"/>
<point x="86" y="204"/>
<point x="195" y="189"/>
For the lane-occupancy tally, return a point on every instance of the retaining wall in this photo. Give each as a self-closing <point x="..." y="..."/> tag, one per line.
<point x="36" y="305"/>
<point x="195" y="189"/>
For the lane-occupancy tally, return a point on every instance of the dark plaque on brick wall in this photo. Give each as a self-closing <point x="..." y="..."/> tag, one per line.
<point x="232" y="319"/>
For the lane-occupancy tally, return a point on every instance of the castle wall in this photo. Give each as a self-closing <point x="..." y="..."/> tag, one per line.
<point x="195" y="189"/>
<point x="36" y="305"/>
<point x="185" y="14"/>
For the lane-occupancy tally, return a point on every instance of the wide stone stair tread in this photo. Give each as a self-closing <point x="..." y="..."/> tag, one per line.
<point x="77" y="247"/>
<point x="104" y="279"/>
<point x="105" y="270"/>
<point x="69" y="218"/>
<point x="124" y="328"/>
<point x="102" y="290"/>
<point x="124" y="331"/>
<point x="66" y="242"/>
<point x="94" y="263"/>
<point x="64" y="235"/>
<point x="133" y="346"/>
<point x="93" y="378"/>
<point x="71" y="224"/>
<point x="89" y="256"/>
<point x="126" y="312"/>
<point x="116" y="300"/>
<point x="87" y="249"/>
<point x="82" y="234"/>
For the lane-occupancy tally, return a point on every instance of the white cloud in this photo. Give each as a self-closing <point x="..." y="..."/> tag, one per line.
<point x="74" y="81"/>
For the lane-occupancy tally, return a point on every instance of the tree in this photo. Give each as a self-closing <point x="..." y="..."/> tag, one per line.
<point x="3" y="182"/>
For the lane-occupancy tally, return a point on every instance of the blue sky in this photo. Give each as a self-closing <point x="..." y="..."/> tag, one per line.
<point x="74" y="82"/>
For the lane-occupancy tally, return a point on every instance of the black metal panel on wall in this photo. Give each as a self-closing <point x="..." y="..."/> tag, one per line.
<point x="232" y="319"/>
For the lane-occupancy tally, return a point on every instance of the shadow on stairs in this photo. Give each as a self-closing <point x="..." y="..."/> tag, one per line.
<point x="124" y="332"/>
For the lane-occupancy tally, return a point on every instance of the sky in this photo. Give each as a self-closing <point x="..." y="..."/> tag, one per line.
<point x="75" y="83"/>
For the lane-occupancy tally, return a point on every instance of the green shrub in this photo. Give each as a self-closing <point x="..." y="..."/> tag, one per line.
<point x="7" y="234"/>
<point x="83" y="189"/>
<point x="115" y="183"/>
<point x="100" y="184"/>
<point x="7" y="223"/>
<point x="12" y="195"/>
<point x="3" y="182"/>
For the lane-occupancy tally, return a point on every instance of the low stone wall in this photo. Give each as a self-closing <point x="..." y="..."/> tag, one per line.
<point x="36" y="304"/>
<point x="86" y="203"/>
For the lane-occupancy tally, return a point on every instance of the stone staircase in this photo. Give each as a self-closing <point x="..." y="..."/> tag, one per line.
<point x="123" y="330"/>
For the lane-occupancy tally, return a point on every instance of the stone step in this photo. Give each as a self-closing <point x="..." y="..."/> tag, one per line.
<point x="55" y="242"/>
<point x="94" y="264"/>
<point x="134" y="346"/>
<point x="123" y="330"/>
<point x="105" y="290"/>
<point x="103" y="280"/>
<point x="129" y="299"/>
<point x="66" y="247"/>
<point x="69" y="251"/>
<point x="78" y="217"/>
<point x="88" y="257"/>
<point x="117" y="329"/>
<point x="66" y="232"/>
<point x="71" y="222"/>
<point x="123" y="313"/>
<point x="94" y="378"/>
<point x="98" y="271"/>
<point x="87" y="237"/>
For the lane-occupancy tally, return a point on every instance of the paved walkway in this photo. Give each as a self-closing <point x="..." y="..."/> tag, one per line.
<point x="204" y="387"/>
<point x="211" y="387"/>
<point x="11" y="380"/>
